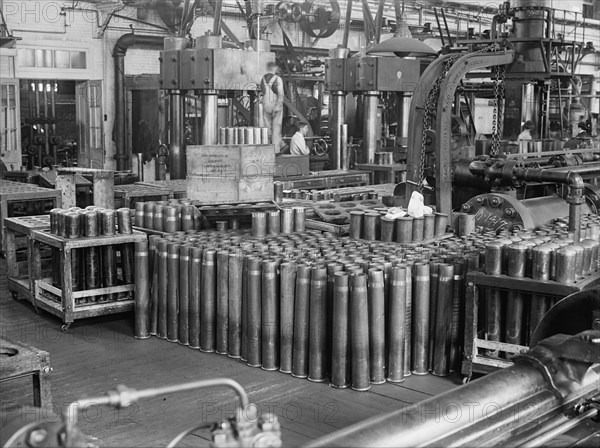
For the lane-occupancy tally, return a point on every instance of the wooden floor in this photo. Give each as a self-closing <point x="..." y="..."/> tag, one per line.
<point x="99" y="354"/>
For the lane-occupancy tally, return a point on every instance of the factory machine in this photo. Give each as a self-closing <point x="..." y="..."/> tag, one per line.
<point x="207" y="70"/>
<point x="509" y="184"/>
<point x="526" y="72"/>
<point x="551" y="395"/>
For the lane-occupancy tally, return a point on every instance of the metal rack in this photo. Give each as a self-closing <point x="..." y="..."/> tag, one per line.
<point x="473" y="361"/>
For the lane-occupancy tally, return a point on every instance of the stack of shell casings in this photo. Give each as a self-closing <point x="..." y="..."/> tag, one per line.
<point x="317" y="306"/>
<point x="375" y="226"/>
<point x="168" y="216"/>
<point x="243" y="135"/>
<point x="547" y="254"/>
<point x="94" y="267"/>
<point x="274" y="222"/>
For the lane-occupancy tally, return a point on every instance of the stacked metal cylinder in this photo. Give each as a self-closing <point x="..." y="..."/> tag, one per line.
<point x="374" y="226"/>
<point x="354" y="313"/>
<point x="94" y="266"/>
<point x="547" y="254"/>
<point x="274" y="222"/>
<point x="244" y="135"/>
<point x="168" y="216"/>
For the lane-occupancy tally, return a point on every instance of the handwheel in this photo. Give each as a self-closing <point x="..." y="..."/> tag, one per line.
<point x="162" y="154"/>
<point x="320" y="147"/>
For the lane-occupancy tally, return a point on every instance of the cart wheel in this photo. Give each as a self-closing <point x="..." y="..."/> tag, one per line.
<point x="65" y="327"/>
<point x="15" y="295"/>
<point x="466" y="379"/>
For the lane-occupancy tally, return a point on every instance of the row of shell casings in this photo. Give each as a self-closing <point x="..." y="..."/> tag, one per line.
<point x="407" y="229"/>
<point x="274" y="222"/>
<point x="168" y="216"/>
<point x="94" y="266"/>
<point x="317" y="307"/>
<point x="243" y="135"/>
<point x="512" y="316"/>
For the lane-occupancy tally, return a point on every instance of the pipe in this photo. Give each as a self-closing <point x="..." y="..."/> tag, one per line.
<point x="124" y="396"/>
<point x="420" y="423"/>
<point x="125" y="42"/>
<point x="370" y="131"/>
<point x="177" y="137"/>
<point x="573" y="180"/>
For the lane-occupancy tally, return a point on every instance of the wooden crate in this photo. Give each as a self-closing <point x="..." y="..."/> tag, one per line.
<point x="18" y="237"/>
<point x="65" y="302"/>
<point x="177" y="187"/>
<point x="224" y="173"/>
<point x="128" y="195"/>
<point x="21" y="360"/>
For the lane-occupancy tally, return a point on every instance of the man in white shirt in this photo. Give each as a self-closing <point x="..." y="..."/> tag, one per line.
<point x="298" y="143"/>
<point x="526" y="133"/>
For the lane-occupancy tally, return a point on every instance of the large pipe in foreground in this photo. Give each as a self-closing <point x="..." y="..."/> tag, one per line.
<point x="462" y="416"/>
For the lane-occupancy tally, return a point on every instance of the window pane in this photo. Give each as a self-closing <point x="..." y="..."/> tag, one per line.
<point x="43" y="58"/>
<point x="26" y="58"/>
<point x="78" y="59"/>
<point x="61" y="59"/>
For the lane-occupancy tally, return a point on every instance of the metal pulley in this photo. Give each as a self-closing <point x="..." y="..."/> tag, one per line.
<point x="319" y="22"/>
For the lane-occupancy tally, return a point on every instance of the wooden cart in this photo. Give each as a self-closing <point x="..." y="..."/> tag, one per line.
<point x="64" y="302"/>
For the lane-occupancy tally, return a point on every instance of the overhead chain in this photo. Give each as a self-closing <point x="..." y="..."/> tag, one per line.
<point x="498" y="115"/>
<point x="432" y="102"/>
<point x="429" y="114"/>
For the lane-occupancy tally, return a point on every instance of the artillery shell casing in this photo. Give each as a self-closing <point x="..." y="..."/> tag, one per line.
<point x="376" y="305"/>
<point x="142" y="292"/>
<point x="441" y="351"/>
<point x="194" y="296"/>
<point x="301" y="322"/>
<point x="340" y="362"/>
<point x="158" y="219"/>
<point x="254" y="307"/>
<point x="404" y="229"/>
<point x="148" y="215"/>
<point x="387" y="229"/>
<point x="270" y="314"/>
<point x="356" y="224"/>
<point x="273" y="222"/>
<point x="236" y="262"/>
<point x="441" y="222"/>
<point x="397" y="311"/>
<point x="359" y="332"/>
<point x="184" y="294"/>
<point x="208" y="308"/>
<point x="318" y="310"/>
<point x="420" y="323"/>
<point x="371" y="227"/>
<point x="222" y="323"/>
<point x="173" y="292"/>
<point x="259" y="224"/>
<point x="429" y="226"/>
<point x="286" y="324"/>
<point x="287" y="220"/>
<point x="417" y="228"/>
<point x="299" y="219"/>
<point x="161" y="249"/>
